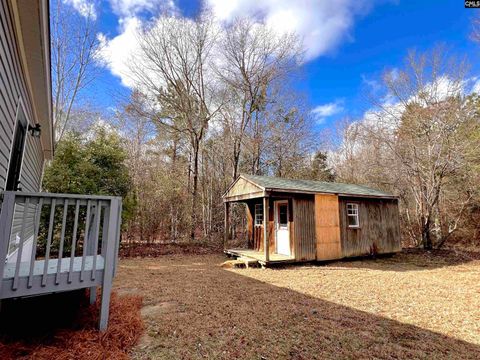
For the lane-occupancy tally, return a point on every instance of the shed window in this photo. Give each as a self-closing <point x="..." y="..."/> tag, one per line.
<point x="283" y="215"/>
<point x="258" y="214"/>
<point x="352" y="215"/>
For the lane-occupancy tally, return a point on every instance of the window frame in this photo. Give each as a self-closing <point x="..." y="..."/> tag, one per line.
<point x="258" y="210"/>
<point x="356" y="214"/>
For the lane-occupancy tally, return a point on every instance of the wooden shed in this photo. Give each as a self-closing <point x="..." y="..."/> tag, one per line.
<point x="312" y="220"/>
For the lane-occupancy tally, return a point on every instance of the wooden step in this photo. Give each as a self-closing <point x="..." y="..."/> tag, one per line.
<point x="248" y="261"/>
<point x="242" y="261"/>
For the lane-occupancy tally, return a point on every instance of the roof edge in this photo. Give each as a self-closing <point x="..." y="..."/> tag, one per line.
<point x="271" y="189"/>
<point x="32" y="25"/>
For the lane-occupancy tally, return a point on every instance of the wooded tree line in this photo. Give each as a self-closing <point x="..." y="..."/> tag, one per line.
<point x="209" y="105"/>
<point x="420" y="140"/>
<point x="213" y="101"/>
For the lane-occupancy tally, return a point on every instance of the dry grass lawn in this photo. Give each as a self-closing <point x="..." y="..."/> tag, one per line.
<point x="407" y="306"/>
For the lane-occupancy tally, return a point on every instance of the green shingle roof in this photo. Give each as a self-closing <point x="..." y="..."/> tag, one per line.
<point x="309" y="186"/>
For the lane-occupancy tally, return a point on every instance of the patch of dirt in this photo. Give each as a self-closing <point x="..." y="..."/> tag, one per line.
<point x="64" y="326"/>
<point x="158" y="309"/>
<point x="412" y="305"/>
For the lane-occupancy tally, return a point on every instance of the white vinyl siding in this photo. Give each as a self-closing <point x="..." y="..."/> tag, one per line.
<point x="14" y="94"/>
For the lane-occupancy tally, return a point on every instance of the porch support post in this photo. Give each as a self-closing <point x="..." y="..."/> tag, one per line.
<point x="266" y="247"/>
<point x="226" y="235"/>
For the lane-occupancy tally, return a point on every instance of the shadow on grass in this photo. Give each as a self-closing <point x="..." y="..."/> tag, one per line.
<point x="220" y="314"/>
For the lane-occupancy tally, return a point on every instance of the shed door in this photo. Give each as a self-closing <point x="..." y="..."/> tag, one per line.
<point x="282" y="234"/>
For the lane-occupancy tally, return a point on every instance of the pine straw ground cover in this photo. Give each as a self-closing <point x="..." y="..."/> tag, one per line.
<point x="64" y="326"/>
<point x="409" y="306"/>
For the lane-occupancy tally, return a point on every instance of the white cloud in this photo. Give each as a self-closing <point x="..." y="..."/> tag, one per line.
<point x="370" y="82"/>
<point x="476" y="85"/>
<point x="131" y="8"/>
<point x="117" y="53"/>
<point x="322" y="112"/>
<point x="85" y="8"/>
<point x="387" y="115"/>
<point x="323" y="24"/>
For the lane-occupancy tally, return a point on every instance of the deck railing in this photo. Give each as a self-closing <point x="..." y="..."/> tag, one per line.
<point x="58" y="242"/>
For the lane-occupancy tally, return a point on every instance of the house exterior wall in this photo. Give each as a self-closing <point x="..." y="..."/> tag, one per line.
<point x="13" y="97"/>
<point x="378" y="231"/>
<point x="13" y="94"/>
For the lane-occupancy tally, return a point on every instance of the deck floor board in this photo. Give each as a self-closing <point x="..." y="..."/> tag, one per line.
<point x="9" y="271"/>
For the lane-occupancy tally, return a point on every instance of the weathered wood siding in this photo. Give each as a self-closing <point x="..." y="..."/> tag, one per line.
<point x="243" y="188"/>
<point x="250" y="213"/>
<point x="13" y="90"/>
<point x="379" y="230"/>
<point x="255" y="233"/>
<point x="304" y="228"/>
<point x="327" y="227"/>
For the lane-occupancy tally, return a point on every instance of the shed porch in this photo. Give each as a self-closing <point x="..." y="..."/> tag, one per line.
<point x="275" y="231"/>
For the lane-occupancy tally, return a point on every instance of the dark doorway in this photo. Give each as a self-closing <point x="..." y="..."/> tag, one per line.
<point x="16" y="157"/>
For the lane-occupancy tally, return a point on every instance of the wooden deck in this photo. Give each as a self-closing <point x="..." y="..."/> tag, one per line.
<point x="85" y="253"/>
<point x="260" y="256"/>
<point x="52" y="266"/>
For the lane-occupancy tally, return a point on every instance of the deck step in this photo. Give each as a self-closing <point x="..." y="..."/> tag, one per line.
<point x="240" y="262"/>
<point x="248" y="261"/>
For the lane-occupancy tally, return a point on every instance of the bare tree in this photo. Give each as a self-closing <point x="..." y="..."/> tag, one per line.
<point x="74" y="45"/>
<point x="288" y="136"/>
<point x="214" y="107"/>
<point x="419" y="128"/>
<point x="253" y="58"/>
<point x="172" y="71"/>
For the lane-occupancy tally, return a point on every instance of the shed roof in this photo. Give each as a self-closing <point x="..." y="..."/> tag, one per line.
<point x="311" y="186"/>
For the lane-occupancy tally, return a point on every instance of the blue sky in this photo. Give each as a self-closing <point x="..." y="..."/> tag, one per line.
<point x="373" y="37"/>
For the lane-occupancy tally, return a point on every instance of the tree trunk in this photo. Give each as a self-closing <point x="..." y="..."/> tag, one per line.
<point x="426" y="236"/>
<point x="194" y="189"/>
<point x="236" y="162"/>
